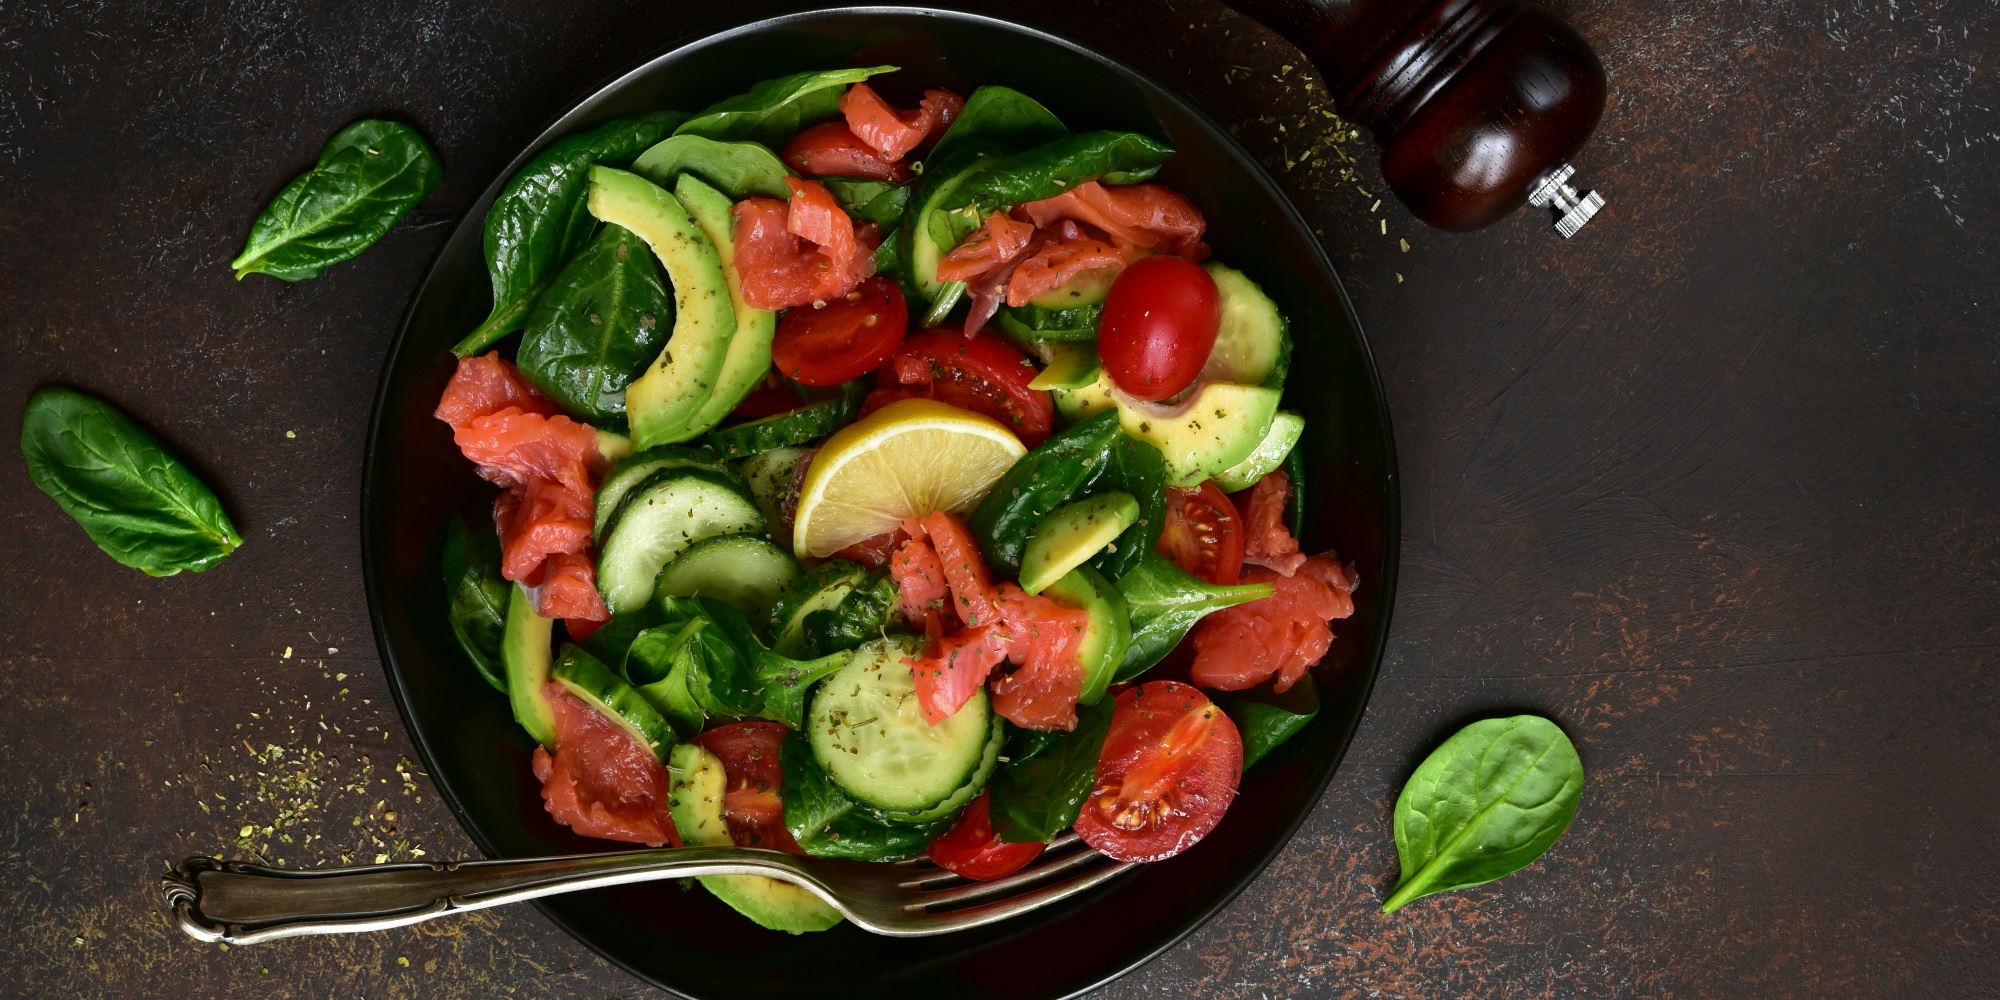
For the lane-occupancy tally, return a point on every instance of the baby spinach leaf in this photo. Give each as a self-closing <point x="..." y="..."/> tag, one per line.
<point x="1266" y="718"/>
<point x="879" y="202"/>
<point x="539" y="218"/>
<point x="860" y="616"/>
<point x="611" y="641"/>
<point x="1053" y="168"/>
<point x="598" y="325"/>
<point x="828" y="824"/>
<point x="1051" y="475"/>
<point x="772" y="111"/>
<point x="737" y="169"/>
<point x="1036" y="799"/>
<point x="135" y="500"/>
<point x="367" y="177"/>
<point x="661" y="663"/>
<point x="783" y="683"/>
<point x="1165" y="601"/>
<point x="1487" y="803"/>
<point x="997" y="116"/>
<point x="476" y="596"/>
<point x="1138" y="468"/>
<point x="1295" y="502"/>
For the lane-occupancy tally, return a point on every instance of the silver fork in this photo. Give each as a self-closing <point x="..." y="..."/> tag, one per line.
<point x="239" y="903"/>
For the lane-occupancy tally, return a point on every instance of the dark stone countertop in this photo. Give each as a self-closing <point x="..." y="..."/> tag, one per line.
<point x="1714" y="484"/>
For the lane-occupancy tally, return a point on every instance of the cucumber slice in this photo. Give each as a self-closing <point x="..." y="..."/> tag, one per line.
<point x="1268" y="455"/>
<point x="1072" y="535"/>
<point x="745" y="572"/>
<point x="1033" y="324"/>
<point x="1252" y="346"/>
<point x="972" y="787"/>
<point x="694" y="800"/>
<point x="630" y="471"/>
<point x="871" y="738"/>
<point x="820" y="590"/>
<point x="595" y="685"/>
<point x="783" y="430"/>
<point x="771" y="475"/>
<point x="658" y="519"/>
<point x="1107" y="636"/>
<point x="524" y="653"/>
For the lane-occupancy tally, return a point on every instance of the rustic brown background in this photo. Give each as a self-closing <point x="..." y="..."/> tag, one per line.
<point x="1714" y="484"/>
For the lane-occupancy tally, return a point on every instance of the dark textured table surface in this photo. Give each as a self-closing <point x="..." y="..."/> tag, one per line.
<point x="1714" y="484"/>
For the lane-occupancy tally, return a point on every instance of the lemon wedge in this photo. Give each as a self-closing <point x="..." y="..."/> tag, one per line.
<point x="907" y="459"/>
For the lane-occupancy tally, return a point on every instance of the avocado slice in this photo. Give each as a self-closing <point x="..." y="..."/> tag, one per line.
<point x="524" y="653"/>
<point x="1270" y="453"/>
<point x="749" y="354"/>
<point x="1072" y="534"/>
<point x="1068" y="365"/>
<point x="593" y="683"/>
<point x="1212" y="431"/>
<point x="1109" y="633"/>
<point x="661" y="403"/>
<point x="695" y="803"/>
<point x="1087" y="288"/>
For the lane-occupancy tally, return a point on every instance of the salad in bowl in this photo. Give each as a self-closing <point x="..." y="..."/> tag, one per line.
<point x="882" y="473"/>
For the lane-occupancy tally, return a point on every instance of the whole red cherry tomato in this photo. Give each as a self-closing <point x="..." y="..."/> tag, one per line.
<point x="1158" y="325"/>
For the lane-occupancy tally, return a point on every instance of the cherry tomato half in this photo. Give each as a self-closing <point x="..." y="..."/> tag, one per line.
<point x="1158" y="325"/>
<point x="833" y="150"/>
<point x="1203" y="534"/>
<point x="846" y="339"/>
<point x="1167" y="773"/>
<point x="971" y="848"/>
<point x="978" y="373"/>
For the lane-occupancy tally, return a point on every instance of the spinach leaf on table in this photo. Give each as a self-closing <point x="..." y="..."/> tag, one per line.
<point x="773" y="110"/>
<point x="539" y="218"/>
<point x="1266" y="718"/>
<point x="1035" y="799"/>
<point x="135" y="499"/>
<point x="598" y="325"/>
<point x="369" y="176"/>
<point x="1165" y="601"/>
<point x="476" y="596"/>
<point x="1486" y="803"/>
<point x="997" y="116"/>
<point x="828" y="824"/>
<point x="737" y="169"/>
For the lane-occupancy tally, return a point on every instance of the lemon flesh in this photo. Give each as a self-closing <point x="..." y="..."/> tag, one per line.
<point x="908" y="459"/>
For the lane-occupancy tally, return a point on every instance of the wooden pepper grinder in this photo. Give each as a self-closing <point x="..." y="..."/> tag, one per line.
<point x="1477" y="104"/>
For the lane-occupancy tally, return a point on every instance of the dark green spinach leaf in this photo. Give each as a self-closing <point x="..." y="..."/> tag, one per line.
<point x="1295" y="502"/>
<point x="773" y="110"/>
<point x="1041" y="481"/>
<point x="879" y="202"/>
<point x="611" y="641"/>
<point x="737" y="169"/>
<point x="783" y="683"/>
<point x="1138" y="468"/>
<point x="1165" y="601"/>
<point x="998" y="117"/>
<point x="540" y="218"/>
<point x="828" y="824"/>
<point x="1266" y="718"/>
<point x="1487" y="803"/>
<point x="598" y="325"/>
<point x="860" y="616"/>
<point x="1053" y="168"/>
<point x="1035" y="799"/>
<point x="135" y="500"/>
<point x="368" y="177"/>
<point x="476" y="596"/>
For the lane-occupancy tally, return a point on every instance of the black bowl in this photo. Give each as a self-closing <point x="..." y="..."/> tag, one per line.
<point x="687" y="941"/>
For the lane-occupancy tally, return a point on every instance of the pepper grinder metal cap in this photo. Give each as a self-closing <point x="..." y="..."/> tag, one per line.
<point x="1572" y="209"/>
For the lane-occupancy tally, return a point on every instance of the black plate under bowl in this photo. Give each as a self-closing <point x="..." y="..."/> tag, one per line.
<point x="688" y="942"/>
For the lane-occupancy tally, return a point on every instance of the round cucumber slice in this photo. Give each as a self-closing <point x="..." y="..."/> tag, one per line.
<point x="745" y="572"/>
<point x="633" y="469"/>
<point x="869" y="735"/>
<point x="972" y="787"/>
<point x="668" y="511"/>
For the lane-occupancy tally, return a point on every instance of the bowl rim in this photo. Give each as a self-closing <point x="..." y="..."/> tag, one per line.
<point x="1323" y="770"/>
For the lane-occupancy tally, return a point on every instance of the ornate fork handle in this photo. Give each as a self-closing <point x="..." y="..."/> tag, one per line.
<point x="240" y="903"/>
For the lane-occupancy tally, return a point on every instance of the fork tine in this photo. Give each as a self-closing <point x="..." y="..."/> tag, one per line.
<point x="938" y="878"/>
<point x="981" y="891"/>
<point x="958" y="920"/>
